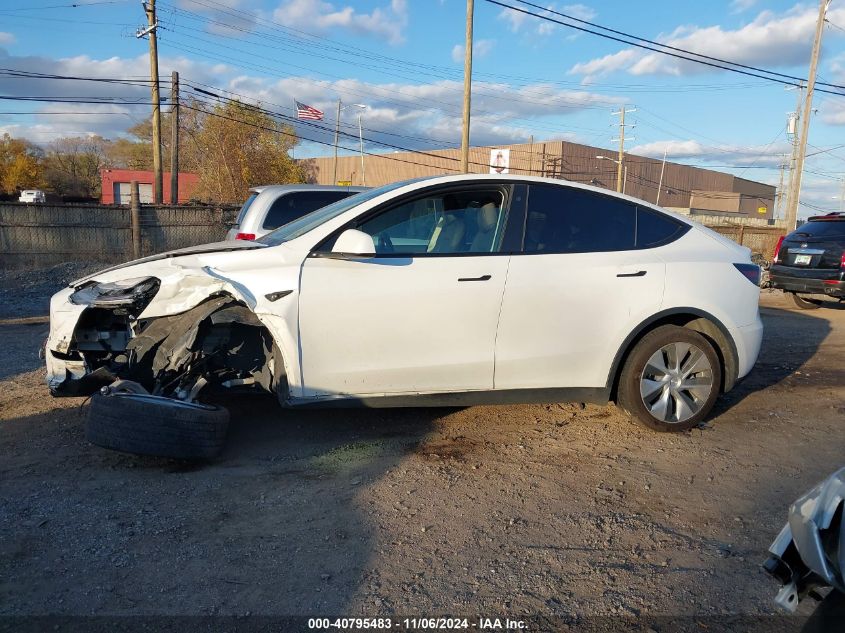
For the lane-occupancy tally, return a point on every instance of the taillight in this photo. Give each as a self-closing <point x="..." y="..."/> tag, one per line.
<point x="245" y="236"/>
<point x="842" y="261"/>
<point x="776" y="257"/>
<point x="750" y="271"/>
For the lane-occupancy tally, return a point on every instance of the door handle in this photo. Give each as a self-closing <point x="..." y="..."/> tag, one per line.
<point x="482" y="278"/>
<point x="639" y="273"/>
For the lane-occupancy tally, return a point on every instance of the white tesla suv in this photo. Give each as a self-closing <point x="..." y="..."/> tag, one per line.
<point x="454" y="290"/>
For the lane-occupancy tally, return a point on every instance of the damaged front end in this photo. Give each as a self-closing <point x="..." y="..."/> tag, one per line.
<point x="99" y="334"/>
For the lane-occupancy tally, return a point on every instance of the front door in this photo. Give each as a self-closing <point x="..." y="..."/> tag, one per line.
<point x="421" y="315"/>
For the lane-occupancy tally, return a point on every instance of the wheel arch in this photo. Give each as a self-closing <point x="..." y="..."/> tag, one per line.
<point x="693" y="318"/>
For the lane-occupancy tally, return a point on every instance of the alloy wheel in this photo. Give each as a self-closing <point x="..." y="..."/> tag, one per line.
<point x="676" y="382"/>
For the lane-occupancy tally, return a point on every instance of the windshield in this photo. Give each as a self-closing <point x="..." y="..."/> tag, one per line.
<point x="311" y="221"/>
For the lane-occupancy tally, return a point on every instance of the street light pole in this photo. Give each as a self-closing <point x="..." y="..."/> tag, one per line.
<point x="336" y="133"/>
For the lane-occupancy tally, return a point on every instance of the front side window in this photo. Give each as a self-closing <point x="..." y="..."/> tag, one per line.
<point x="565" y="220"/>
<point x="291" y="206"/>
<point x="455" y="222"/>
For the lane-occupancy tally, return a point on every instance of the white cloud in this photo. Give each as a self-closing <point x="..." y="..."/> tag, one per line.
<point x="317" y="15"/>
<point x="7" y="38"/>
<point x="516" y="19"/>
<point x="736" y="155"/>
<point x="772" y="40"/>
<point x="738" y="6"/>
<point x="480" y="48"/>
<point x="396" y="110"/>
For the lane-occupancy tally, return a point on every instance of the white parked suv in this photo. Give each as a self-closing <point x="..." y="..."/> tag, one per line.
<point x="270" y="206"/>
<point x="454" y="290"/>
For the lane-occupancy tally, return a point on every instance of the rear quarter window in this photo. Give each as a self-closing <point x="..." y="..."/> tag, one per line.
<point x="656" y="229"/>
<point x="247" y="203"/>
<point x="294" y="205"/>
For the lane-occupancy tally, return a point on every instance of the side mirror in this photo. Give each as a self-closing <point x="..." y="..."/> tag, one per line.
<point x="354" y="242"/>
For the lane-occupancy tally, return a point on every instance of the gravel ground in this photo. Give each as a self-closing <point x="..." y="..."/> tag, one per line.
<point x="555" y="510"/>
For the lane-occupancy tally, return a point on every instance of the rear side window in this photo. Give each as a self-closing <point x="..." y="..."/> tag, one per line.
<point x="564" y="220"/>
<point x="294" y="205"/>
<point x="655" y="229"/>
<point x="822" y="228"/>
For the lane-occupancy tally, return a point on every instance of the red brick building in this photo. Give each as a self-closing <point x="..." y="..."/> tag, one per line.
<point x="116" y="186"/>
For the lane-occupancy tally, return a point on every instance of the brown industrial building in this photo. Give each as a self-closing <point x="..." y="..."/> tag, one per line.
<point x="689" y="190"/>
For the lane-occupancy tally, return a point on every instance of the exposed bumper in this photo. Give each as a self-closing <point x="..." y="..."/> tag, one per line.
<point x="830" y="285"/>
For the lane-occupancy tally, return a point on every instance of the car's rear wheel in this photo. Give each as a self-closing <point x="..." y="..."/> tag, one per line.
<point x="671" y="379"/>
<point x="152" y="425"/>
<point x="804" y="303"/>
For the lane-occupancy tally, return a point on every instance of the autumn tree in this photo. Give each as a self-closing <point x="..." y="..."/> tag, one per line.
<point x="72" y="166"/>
<point x="237" y="146"/>
<point x="20" y="165"/>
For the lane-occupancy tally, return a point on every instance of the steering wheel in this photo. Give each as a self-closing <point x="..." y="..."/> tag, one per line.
<point x="385" y="244"/>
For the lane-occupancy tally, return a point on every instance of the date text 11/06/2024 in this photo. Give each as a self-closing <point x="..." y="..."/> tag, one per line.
<point x="415" y="624"/>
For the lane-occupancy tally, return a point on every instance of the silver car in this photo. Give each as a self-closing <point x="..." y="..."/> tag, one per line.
<point x="271" y="206"/>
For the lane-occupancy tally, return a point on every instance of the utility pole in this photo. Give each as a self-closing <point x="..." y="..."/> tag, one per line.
<point x="336" y="134"/>
<point x="152" y="24"/>
<point x="467" y="91"/>
<point x="795" y="192"/>
<point x="531" y="155"/>
<point x="174" y="138"/>
<point x="779" y="200"/>
<point x="662" y="170"/>
<point x="792" y="129"/>
<point x="619" y="170"/>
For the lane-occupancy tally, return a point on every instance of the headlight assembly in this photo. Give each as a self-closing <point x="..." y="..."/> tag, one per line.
<point x="137" y="291"/>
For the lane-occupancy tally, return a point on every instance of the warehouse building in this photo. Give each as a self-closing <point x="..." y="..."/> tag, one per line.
<point x="689" y="190"/>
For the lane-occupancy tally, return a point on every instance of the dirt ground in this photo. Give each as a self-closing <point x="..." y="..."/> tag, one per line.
<point x="516" y="511"/>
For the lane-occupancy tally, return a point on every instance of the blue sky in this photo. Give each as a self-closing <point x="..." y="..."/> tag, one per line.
<point x="403" y="59"/>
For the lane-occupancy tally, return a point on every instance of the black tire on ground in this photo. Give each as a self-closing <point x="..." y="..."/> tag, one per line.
<point x="805" y="304"/>
<point x="152" y="425"/>
<point x="629" y="397"/>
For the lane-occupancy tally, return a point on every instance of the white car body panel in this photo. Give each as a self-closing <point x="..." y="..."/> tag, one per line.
<point x="556" y="303"/>
<point x="399" y="325"/>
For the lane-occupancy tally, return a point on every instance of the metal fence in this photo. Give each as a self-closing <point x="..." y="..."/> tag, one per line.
<point x="760" y="239"/>
<point x="45" y="235"/>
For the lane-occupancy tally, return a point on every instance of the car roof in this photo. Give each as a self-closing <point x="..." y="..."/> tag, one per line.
<point x="305" y="187"/>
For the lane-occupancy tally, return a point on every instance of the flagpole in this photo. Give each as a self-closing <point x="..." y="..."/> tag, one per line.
<point x="293" y="144"/>
<point x="336" y="133"/>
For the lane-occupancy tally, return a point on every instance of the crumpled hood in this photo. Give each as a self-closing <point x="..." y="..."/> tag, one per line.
<point x="214" y="247"/>
<point x="191" y="275"/>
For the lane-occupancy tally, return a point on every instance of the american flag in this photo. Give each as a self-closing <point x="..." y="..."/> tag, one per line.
<point x="307" y="112"/>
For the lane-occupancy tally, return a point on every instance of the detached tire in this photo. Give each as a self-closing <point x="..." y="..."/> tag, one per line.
<point x="670" y="380"/>
<point x="805" y="304"/>
<point x="152" y="425"/>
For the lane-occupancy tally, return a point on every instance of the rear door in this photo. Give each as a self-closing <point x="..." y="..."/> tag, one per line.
<point x="579" y="287"/>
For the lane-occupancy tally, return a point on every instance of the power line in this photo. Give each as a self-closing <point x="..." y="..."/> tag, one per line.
<point x="667" y="46"/>
<point x="736" y="68"/>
